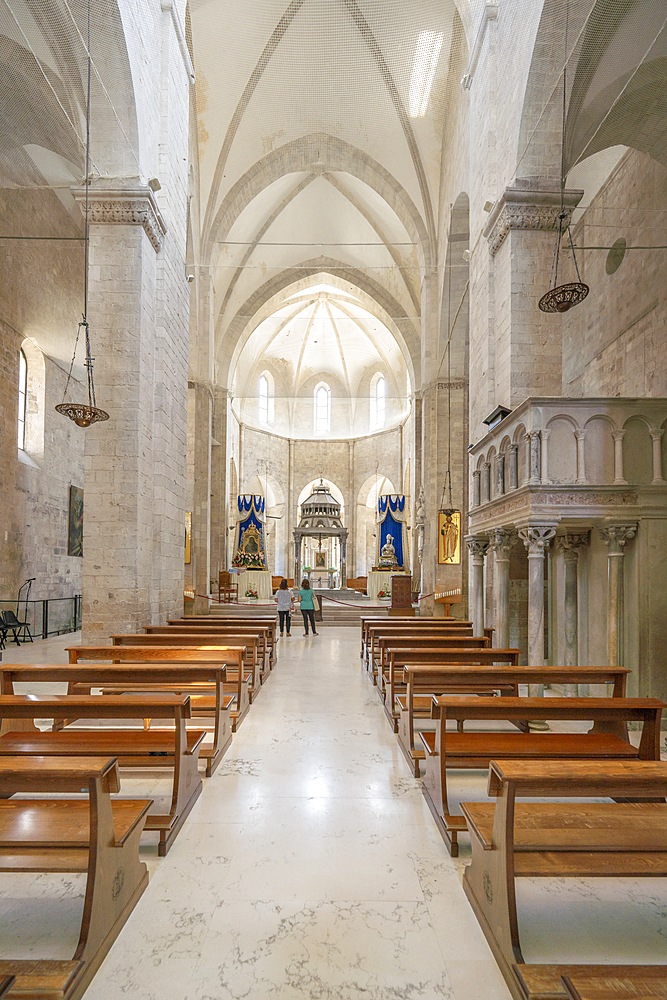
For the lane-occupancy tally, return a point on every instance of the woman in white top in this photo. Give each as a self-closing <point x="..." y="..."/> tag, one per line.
<point x="283" y="599"/>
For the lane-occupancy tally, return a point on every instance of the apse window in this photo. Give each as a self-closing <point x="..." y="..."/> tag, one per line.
<point x="322" y="409"/>
<point x="23" y="398"/>
<point x="265" y="389"/>
<point x="378" y="401"/>
<point x="427" y="54"/>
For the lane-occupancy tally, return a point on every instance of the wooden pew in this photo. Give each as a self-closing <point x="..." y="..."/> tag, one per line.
<point x="446" y="652"/>
<point x="423" y="681"/>
<point x="174" y="749"/>
<point x="251" y="658"/>
<point x="98" y="836"/>
<point x="391" y="648"/>
<point x="623" y="982"/>
<point x="214" y="622"/>
<point x="369" y="621"/>
<point x="571" y="839"/>
<point x="607" y="740"/>
<point x="179" y="678"/>
<point x="230" y="636"/>
<point x="396" y="627"/>
<point x="6" y="982"/>
<point x="231" y="657"/>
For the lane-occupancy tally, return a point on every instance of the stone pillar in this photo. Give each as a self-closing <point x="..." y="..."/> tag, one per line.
<point x="615" y="536"/>
<point x="536" y="538"/>
<point x="619" y="478"/>
<point x="478" y="546"/>
<point x="534" y="468"/>
<point x="343" y="560"/>
<point x="486" y="482"/>
<point x="133" y="570"/>
<point x="502" y="540"/>
<point x="500" y="475"/>
<point x="476" y="488"/>
<point x="658" y="479"/>
<point x="570" y="544"/>
<point x="581" y="457"/>
<point x="514" y="467"/>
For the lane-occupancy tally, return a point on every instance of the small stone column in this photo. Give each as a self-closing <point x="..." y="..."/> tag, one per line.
<point x="500" y="475"/>
<point x="616" y="536"/>
<point x="502" y="540"/>
<point x="486" y="482"/>
<point x="581" y="457"/>
<point x="536" y="538"/>
<point x="570" y="544"/>
<point x="478" y="546"/>
<point x="658" y="478"/>
<point x="514" y="467"/>
<point x="476" y="488"/>
<point x="535" y="457"/>
<point x="619" y="478"/>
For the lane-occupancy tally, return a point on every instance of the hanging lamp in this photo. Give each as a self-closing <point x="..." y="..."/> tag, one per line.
<point x="84" y="414"/>
<point x="561" y="298"/>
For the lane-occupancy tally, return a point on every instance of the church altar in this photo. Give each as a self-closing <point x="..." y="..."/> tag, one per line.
<point x="255" y="579"/>
<point x="379" y="579"/>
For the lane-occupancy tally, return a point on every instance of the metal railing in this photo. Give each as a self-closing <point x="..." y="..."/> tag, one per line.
<point x="54" y="616"/>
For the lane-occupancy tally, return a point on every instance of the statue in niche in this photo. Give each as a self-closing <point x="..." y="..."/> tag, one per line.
<point x="388" y="554"/>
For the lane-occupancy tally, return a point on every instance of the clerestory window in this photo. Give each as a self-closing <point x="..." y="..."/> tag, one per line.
<point x="322" y="409"/>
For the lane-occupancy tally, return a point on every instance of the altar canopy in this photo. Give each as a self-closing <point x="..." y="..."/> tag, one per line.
<point x="391" y="520"/>
<point x="250" y="546"/>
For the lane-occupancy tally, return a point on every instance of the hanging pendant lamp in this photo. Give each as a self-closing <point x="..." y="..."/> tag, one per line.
<point x="84" y="414"/>
<point x="561" y="298"/>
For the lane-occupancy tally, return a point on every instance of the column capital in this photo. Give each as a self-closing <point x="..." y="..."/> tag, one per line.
<point x="616" y="536"/>
<point x="572" y="541"/>
<point x="528" y="205"/>
<point x="129" y="206"/>
<point x="536" y="537"/>
<point x="501" y="541"/>
<point x="478" y="545"/>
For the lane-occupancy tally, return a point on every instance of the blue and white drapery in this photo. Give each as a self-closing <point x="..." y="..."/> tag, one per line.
<point x="251" y="508"/>
<point x="391" y="520"/>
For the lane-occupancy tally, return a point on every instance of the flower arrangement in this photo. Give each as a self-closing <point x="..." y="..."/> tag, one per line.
<point x="383" y="593"/>
<point x="251" y="593"/>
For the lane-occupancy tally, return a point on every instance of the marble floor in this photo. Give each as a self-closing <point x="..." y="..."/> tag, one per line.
<point x="311" y="868"/>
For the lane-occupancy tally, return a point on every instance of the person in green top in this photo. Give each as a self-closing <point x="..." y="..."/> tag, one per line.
<point x="307" y="607"/>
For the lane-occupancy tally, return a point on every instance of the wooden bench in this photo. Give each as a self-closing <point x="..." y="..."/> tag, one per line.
<point x="96" y="835"/>
<point x="395" y="621"/>
<point x="391" y="648"/>
<point x="623" y="982"/>
<point x="371" y="629"/>
<point x="173" y="749"/>
<point x="230" y="635"/>
<point x="251" y="659"/>
<point x="231" y="657"/>
<point x="571" y="839"/>
<point x="423" y="681"/>
<point x="179" y="678"/>
<point x="212" y="623"/>
<point x="607" y="740"/>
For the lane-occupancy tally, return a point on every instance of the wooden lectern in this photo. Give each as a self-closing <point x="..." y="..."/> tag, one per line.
<point x="401" y="595"/>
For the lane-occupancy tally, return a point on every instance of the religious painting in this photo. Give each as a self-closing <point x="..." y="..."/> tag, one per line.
<point x="449" y="537"/>
<point x="188" y="537"/>
<point x="320" y="560"/>
<point x="75" y="522"/>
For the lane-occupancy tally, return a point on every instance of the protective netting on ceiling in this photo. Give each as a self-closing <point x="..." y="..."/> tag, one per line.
<point x="381" y="76"/>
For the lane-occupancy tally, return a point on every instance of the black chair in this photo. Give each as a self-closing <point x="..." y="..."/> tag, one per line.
<point x="19" y="629"/>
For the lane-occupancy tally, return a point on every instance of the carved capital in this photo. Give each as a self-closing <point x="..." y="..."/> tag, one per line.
<point x="124" y="207"/>
<point x="571" y="542"/>
<point x="616" y="536"/>
<point x="536" y="538"/>
<point x="527" y="207"/>
<point x="501" y="541"/>
<point x="478" y="545"/>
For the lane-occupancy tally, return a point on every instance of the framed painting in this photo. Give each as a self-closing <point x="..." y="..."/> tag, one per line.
<point x="449" y="537"/>
<point x="188" y="537"/>
<point x="75" y="522"/>
<point x="320" y="560"/>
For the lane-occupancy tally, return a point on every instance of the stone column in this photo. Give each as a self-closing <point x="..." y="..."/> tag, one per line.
<point x="476" y="488"/>
<point x="500" y="474"/>
<point x="658" y="479"/>
<point x="619" y="478"/>
<point x="514" y="467"/>
<point x="581" y="457"/>
<point x="570" y="544"/>
<point x="535" y="460"/>
<point x="478" y="546"/>
<point x="616" y="536"/>
<point x="486" y="482"/>
<point x="502" y="540"/>
<point x="536" y="538"/>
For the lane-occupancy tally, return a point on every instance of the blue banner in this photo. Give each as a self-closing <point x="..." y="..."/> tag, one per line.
<point x="391" y="504"/>
<point x="250" y="544"/>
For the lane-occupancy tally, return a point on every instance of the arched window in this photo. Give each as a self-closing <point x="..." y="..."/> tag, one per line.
<point x="322" y="408"/>
<point x="23" y="398"/>
<point x="266" y="395"/>
<point x="378" y="401"/>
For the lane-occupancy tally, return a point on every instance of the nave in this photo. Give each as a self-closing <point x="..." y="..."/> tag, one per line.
<point x="311" y="868"/>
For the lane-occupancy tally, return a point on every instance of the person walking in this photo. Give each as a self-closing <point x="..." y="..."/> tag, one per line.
<point x="307" y="607"/>
<point x="283" y="599"/>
